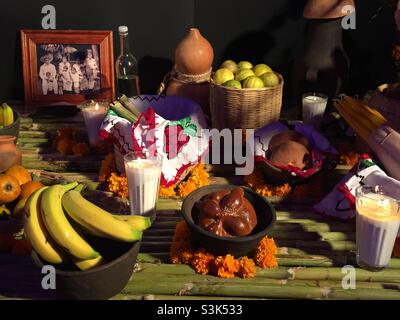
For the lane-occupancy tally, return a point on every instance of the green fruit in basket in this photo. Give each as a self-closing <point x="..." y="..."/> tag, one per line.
<point x="260" y="69"/>
<point x="231" y="65"/>
<point x="245" y="65"/>
<point x="233" y="84"/>
<point x="253" y="82"/>
<point x="223" y="75"/>
<point x="243" y="74"/>
<point x="270" y="79"/>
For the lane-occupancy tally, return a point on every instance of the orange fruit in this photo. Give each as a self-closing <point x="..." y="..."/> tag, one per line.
<point x="20" y="173"/>
<point x="30" y="187"/>
<point x="9" y="188"/>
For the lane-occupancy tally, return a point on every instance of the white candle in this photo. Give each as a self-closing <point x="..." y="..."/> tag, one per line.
<point x="94" y="114"/>
<point x="378" y="222"/>
<point x="314" y="106"/>
<point x="143" y="184"/>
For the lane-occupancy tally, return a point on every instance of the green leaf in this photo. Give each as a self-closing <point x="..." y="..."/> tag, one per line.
<point x="191" y="129"/>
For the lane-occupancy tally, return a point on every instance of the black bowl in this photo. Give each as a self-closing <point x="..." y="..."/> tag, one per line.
<point x="12" y="129"/>
<point x="101" y="282"/>
<point x="237" y="246"/>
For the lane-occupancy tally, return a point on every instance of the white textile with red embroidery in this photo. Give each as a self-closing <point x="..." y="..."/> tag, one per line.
<point x="181" y="142"/>
<point x="340" y="202"/>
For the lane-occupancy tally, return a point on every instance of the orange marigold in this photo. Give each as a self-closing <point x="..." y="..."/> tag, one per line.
<point x="107" y="167"/>
<point x="226" y="267"/>
<point x="167" y="192"/>
<point x="198" y="178"/>
<point x="266" y="252"/>
<point x="257" y="182"/>
<point x="201" y="261"/>
<point x="182" y="232"/>
<point x="64" y="146"/>
<point x="118" y="185"/>
<point x="81" y="149"/>
<point x="247" y="268"/>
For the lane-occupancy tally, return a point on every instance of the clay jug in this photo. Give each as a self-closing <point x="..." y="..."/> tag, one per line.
<point x="9" y="154"/>
<point x="194" y="55"/>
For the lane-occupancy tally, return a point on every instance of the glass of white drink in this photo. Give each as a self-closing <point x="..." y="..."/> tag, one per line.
<point x="378" y="222"/>
<point x="314" y="106"/>
<point x="143" y="172"/>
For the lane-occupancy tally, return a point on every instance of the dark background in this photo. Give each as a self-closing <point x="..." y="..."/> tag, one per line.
<point x="257" y="30"/>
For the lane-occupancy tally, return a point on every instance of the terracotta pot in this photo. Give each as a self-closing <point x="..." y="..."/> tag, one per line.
<point x="9" y="154"/>
<point x="326" y="9"/>
<point x="194" y="55"/>
<point x="198" y="92"/>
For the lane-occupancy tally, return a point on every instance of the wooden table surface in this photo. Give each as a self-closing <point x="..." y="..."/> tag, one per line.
<point x="312" y="249"/>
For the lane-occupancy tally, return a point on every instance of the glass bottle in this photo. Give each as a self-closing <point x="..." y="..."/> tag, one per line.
<point x="126" y="67"/>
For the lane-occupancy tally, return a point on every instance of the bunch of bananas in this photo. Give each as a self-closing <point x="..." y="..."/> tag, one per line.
<point x="55" y="218"/>
<point x="6" y="115"/>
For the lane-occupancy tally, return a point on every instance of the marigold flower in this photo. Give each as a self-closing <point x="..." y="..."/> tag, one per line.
<point x="226" y="267"/>
<point x="64" y="146"/>
<point x="266" y="252"/>
<point x="118" y="185"/>
<point x="201" y="261"/>
<point x="107" y="167"/>
<point x="256" y="181"/>
<point x="247" y="268"/>
<point x="81" y="149"/>
<point x="167" y="192"/>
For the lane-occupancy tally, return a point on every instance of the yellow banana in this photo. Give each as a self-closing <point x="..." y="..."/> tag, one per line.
<point x="92" y="217"/>
<point x="58" y="225"/>
<point x="88" y="264"/>
<point x="1" y="117"/>
<point x="137" y="222"/>
<point x="8" y="115"/>
<point x="36" y="231"/>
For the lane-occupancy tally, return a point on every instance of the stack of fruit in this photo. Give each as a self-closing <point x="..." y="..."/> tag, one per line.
<point x="6" y="115"/>
<point x="58" y="222"/>
<point x="16" y="186"/>
<point x="244" y="76"/>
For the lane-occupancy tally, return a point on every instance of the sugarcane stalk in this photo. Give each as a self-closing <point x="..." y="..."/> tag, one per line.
<point x="128" y="104"/>
<point x="261" y="290"/>
<point x="121" y="111"/>
<point x="32" y="134"/>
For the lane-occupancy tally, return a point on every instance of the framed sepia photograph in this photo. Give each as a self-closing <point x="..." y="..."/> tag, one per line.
<point x="67" y="66"/>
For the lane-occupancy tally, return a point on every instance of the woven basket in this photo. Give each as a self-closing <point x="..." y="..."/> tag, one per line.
<point x="245" y="108"/>
<point x="388" y="107"/>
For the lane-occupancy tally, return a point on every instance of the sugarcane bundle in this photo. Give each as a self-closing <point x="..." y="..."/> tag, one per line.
<point x="126" y="109"/>
<point x="372" y="127"/>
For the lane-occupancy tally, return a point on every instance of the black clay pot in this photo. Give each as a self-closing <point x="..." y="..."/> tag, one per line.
<point x="322" y="65"/>
<point x="13" y="129"/>
<point x="101" y="282"/>
<point x="237" y="246"/>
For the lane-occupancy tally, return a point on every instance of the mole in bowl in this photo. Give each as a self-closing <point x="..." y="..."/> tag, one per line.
<point x="226" y="213"/>
<point x="289" y="148"/>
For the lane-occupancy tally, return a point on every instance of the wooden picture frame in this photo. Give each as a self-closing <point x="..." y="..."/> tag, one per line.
<point x="67" y="67"/>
